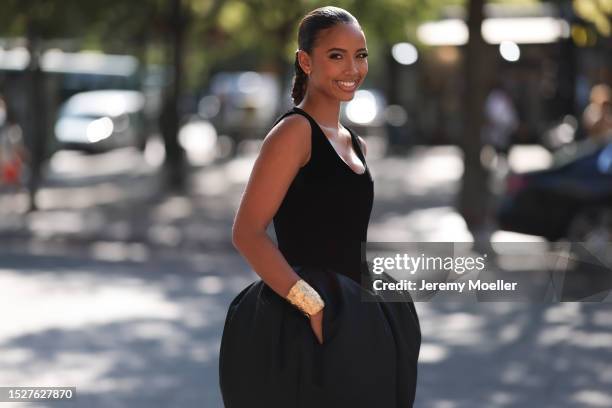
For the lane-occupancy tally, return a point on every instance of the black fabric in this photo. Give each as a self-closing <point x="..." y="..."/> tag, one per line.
<point x="324" y="216"/>
<point x="270" y="357"/>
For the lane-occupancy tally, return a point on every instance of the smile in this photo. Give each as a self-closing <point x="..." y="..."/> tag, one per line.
<point x="347" y="86"/>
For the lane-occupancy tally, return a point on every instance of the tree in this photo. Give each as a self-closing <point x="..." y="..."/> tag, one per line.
<point x="598" y="13"/>
<point x="170" y="116"/>
<point x="108" y="25"/>
<point x="473" y="196"/>
<point x="39" y="20"/>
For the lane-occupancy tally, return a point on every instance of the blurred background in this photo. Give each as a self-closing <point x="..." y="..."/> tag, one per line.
<point x="128" y="131"/>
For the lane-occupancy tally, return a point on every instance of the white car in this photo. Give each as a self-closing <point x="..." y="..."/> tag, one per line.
<point x="102" y="120"/>
<point x="242" y="104"/>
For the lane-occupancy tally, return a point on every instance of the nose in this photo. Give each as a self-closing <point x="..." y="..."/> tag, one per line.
<point x="351" y="66"/>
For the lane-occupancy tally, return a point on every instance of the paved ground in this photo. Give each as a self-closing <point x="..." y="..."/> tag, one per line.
<point x="121" y="291"/>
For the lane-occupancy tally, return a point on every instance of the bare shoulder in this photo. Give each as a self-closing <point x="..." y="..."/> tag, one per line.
<point x="290" y="136"/>
<point x="364" y="146"/>
<point x="283" y="151"/>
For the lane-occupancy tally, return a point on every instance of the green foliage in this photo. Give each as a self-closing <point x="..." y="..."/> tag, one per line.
<point x="47" y="18"/>
<point x="598" y="12"/>
<point x="260" y="34"/>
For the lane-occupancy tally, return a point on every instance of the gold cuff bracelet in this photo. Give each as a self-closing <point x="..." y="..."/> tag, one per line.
<point x="305" y="298"/>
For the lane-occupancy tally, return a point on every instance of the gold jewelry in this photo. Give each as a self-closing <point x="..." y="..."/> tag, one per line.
<point x="305" y="298"/>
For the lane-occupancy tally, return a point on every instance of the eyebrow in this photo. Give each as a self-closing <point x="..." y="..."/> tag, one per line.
<point x="343" y="50"/>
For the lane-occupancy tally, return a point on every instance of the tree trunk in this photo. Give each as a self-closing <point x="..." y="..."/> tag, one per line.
<point x="170" y="116"/>
<point x="36" y="127"/>
<point x="473" y="199"/>
<point x="392" y="68"/>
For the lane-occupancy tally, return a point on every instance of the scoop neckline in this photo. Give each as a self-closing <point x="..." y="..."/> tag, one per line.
<point x="353" y="137"/>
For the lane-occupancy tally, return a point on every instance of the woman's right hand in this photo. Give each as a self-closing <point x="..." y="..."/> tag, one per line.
<point x="316" y="323"/>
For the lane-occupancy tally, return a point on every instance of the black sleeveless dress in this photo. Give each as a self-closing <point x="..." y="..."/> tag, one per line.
<point x="269" y="355"/>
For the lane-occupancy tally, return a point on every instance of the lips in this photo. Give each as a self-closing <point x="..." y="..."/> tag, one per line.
<point x="347" y="86"/>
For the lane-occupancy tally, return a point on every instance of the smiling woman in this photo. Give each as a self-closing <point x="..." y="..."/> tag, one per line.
<point x="338" y="68"/>
<point x="302" y="335"/>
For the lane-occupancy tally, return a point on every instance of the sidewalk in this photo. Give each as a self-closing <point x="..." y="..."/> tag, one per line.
<point x="89" y="203"/>
<point x="122" y="205"/>
<point x="117" y="289"/>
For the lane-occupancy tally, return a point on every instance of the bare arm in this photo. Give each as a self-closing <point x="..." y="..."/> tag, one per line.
<point x="285" y="149"/>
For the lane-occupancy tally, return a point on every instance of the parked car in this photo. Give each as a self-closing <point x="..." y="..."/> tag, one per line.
<point x="572" y="200"/>
<point x="98" y="121"/>
<point x="241" y="104"/>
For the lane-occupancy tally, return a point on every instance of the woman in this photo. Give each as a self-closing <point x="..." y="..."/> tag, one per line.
<point x="302" y="336"/>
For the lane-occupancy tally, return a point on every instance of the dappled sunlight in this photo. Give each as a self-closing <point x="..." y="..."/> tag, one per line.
<point x="81" y="197"/>
<point x="12" y="203"/>
<point x="165" y="234"/>
<point x="442" y="224"/>
<point x="239" y="169"/>
<point x="114" y="330"/>
<point x="212" y="183"/>
<point x="219" y="180"/>
<point x="563" y="312"/>
<point x="517" y="372"/>
<point x="73" y="164"/>
<point x="502" y="399"/>
<point x="440" y="165"/>
<point x="593" y="398"/>
<point x="23" y="367"/>
<point x="53" y="304"/>
<point x="117" y="260"/>
<point x="510" y="333"/>
<point x="563" y="347"/>
<point x="460" y="329"/>
<point x="63" y="222"/>
<point x="172" y="209"/>
<point x="432" y="353"/>
<point x="118" y="251"/>
<point x="143" y="304"/>
<point x="442" y="403"/>
<point x="425" y="170"/>
<point x="591" y="340"/>
<point x="553" y="335"/>
<point x="210" y="285"/>
<point x="602" y="318"/>
<point x="508" y="236"/>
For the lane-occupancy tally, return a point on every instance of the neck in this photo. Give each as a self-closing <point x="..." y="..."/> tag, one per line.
<point x="325" y="111"/>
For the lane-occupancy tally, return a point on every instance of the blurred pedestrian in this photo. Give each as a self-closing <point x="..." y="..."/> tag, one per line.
<point x="597" y="123"/>
<point x="597" y="117"/>
<point x="302" y="335"/>
<point x="501" y="119"/>
<point x="13" y="153"/>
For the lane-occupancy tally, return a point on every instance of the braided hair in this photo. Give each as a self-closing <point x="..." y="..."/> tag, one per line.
<point x="309" y="28"/>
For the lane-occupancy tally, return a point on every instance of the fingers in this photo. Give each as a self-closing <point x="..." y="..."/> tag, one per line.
<point x="317" y="329"/>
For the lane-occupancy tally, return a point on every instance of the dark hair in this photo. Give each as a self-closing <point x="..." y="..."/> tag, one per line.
<point x="310" y="26"/>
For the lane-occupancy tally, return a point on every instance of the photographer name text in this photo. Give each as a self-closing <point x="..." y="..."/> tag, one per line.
<point x="476" y="285"/>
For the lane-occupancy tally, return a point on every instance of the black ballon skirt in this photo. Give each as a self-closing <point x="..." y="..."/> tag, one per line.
<point x="271" y="358"/>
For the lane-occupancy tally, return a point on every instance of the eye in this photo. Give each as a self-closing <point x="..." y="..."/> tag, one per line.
<point x="335" y="55"/>
<point x="363" y="55"/>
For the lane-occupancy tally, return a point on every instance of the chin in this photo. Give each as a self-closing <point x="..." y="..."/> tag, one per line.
<point x="347" y="98"/>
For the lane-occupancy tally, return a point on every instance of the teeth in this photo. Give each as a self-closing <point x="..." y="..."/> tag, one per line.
<point x="347" y="84"/>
